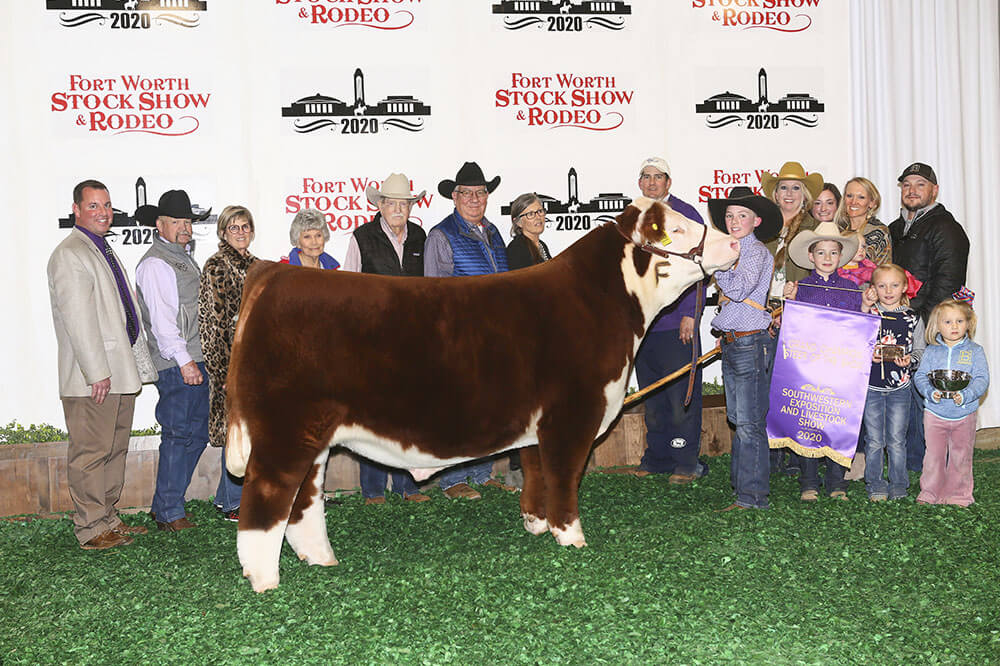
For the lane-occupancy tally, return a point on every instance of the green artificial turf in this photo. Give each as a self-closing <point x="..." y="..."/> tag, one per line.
<point x="665" y="580"/>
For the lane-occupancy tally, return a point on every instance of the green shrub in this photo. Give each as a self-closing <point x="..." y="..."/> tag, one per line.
<point x="712" y="388"/>
<point x="15" y="433"/>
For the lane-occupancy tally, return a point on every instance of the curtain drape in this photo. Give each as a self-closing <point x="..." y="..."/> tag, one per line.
<point x="926" y="87"/>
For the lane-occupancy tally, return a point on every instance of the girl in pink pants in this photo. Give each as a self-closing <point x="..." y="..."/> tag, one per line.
<point x="950" y="423"/>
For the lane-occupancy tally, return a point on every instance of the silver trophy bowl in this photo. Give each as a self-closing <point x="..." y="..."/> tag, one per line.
<point x="949" y="382"/>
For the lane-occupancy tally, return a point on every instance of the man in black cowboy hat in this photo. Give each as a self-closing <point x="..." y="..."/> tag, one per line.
<point x="167" y="280"/>
<point x="466" y="243"/>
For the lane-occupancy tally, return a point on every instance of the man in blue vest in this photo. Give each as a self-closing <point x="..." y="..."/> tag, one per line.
<point x="466" y="243"/>
<point x="167" y="280"/>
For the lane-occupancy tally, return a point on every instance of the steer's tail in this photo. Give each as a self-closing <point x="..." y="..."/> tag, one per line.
<point x="237" y="447"/>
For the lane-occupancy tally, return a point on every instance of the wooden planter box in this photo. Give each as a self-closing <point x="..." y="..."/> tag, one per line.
<point x="35" y="474"/>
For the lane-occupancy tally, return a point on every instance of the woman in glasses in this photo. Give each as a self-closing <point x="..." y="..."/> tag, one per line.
<point x="528" y="222"/>
<point x="527" y="216"/>
<point x="218" y="304"/>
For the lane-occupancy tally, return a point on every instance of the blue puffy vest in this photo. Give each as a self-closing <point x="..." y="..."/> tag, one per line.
<point x="470" y="255"/>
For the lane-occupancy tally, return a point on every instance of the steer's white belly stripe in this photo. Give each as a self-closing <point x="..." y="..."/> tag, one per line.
<point x="392" y="453"/>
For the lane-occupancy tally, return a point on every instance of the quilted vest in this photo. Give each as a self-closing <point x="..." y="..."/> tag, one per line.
<point x="471" y="256"/>
<point x="188" y="277"/>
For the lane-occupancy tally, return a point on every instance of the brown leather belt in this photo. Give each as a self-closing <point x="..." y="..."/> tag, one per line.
<point x="729" y="337"/>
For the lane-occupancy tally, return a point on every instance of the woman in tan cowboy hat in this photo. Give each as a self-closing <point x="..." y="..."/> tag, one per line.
<point x="794" y="191"/>
<point x="857" y="212"/>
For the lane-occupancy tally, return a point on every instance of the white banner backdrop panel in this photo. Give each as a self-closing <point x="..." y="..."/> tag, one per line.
<point x="283" y="105"/>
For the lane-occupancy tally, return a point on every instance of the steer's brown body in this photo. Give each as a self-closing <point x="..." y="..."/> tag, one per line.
<point x="426" y="372"/>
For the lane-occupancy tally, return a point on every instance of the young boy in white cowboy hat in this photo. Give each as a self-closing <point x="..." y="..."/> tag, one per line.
<point x="824" y="250"/>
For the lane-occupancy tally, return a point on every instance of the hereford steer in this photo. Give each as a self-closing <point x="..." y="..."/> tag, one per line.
<point x="423" y="373"/>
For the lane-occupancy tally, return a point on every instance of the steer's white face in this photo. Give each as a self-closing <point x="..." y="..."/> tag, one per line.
<point x="668" y="277"/>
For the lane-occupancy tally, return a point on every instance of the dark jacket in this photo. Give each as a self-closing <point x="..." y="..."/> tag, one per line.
<point x="379" y="256"/>
<point x="936" y="251"/>
<point x="519" y="254"/>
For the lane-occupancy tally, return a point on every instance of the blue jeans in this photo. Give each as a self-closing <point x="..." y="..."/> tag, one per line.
<point x="230" y="489"/>
<point x="886" y="416"/>
<point x="182" y="412"/>
<point x="746" y="375"/>
<point x="475" y="472"/>
<point x="673" y="431"/>
<point x="374" y="476"/>
<point x="915" y="444"/>
<point x="832" y="480"/>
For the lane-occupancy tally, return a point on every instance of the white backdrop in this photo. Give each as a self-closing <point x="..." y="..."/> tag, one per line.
<point x="927" y="88"/>
<point x="639" y="79"/>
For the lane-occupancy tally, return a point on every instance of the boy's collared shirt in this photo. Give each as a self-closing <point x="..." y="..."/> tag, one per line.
<point x="748" y="280"/>
<point x="845" y="295"/>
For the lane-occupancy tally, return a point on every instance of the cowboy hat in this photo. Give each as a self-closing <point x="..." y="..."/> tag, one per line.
<point x="798" y="249"/>
<point x="792" y="171"/>
<point x="396" y="186"/>
<point x="173" y="203"/>
<point x="469" y="174"/>
<point x="766" y="210"/>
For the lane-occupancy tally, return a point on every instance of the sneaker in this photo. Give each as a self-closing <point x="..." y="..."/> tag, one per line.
<point x="232" y="516"/>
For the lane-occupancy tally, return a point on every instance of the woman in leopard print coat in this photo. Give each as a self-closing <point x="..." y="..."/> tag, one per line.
<point x="218" y="305"/>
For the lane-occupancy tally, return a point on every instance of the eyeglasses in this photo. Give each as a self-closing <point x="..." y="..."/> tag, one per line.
<point x="532" y="214"/>
<point x="234" y="228"/>
<point x="472" y="194"/>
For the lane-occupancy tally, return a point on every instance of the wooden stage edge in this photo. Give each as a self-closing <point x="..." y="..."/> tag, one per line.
<point x="36" y="483"/>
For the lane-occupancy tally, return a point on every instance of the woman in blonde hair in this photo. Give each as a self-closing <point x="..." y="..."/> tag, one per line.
<point x="794" y="191"/>
<point x="219" y="299"/>
<point x="857" y="212"/>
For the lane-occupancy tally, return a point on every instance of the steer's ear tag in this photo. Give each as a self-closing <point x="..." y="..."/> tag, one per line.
<point x="666" y="239"/>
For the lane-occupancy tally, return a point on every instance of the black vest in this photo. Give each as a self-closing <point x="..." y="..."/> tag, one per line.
<point x="379" y="256"/>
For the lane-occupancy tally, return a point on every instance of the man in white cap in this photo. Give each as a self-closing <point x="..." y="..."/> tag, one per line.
<point x="388" y="245"/>
<point x="673" y="431"/>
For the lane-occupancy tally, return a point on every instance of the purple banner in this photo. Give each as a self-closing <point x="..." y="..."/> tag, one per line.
<point x="820" y="380"/>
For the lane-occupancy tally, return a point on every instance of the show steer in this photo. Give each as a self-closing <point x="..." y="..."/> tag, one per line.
<point x="318" y="355"/>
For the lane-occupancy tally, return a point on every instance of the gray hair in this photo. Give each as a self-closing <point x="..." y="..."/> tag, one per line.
<point x="305" y="219"/>
<point x="518" y="206"/>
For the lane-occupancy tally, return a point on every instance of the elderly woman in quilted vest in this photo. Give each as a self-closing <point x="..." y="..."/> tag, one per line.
<point x="218" y="305"/>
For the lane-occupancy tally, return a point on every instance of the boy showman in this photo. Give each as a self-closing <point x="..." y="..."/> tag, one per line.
<point x="746" y="343"/>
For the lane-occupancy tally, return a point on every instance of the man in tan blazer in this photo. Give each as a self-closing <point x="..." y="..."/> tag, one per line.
<point x="93" y="309"/>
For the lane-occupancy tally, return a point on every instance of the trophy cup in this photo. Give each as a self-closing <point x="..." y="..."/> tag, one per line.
<point x="949" y="382"/>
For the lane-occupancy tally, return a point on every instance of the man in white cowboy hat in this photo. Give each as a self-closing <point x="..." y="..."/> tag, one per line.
<point x="389" y="244"/>
<point x="746" y="343"/>
<point x="167" y="281"/>
<point x="101" y="354"/>
<point x="673" y="430"/>
<point x="466" y="243"/>
<point x="931" y="244"/>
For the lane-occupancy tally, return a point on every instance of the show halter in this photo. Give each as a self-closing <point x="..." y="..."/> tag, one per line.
<point x="694" y="255"/>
